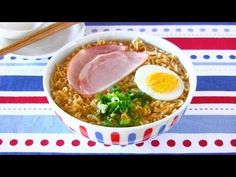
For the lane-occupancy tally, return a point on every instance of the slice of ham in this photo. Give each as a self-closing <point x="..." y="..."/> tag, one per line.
<point x="85" y="56"/>
<point x="107" y="69"/>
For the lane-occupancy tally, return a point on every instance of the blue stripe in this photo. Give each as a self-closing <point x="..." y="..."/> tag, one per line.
<point x="156" y="23"/>
<point x="216" y="83"/>
<point x="162" y="128"/>
<point x="21" y="83"/>
<point x="99" y="137"/>
<point x="51" y="124"/>
<point x="131" y="138"/>
<point x="34" y="83"/>
<point x="32" y="124"/>
<point x="23" y="64"/>
<point x="214" y="63"/>
<point x="205" y="124"/>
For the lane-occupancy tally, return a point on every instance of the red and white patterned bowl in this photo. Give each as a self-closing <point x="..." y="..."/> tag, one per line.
<point x="119" y="136"/>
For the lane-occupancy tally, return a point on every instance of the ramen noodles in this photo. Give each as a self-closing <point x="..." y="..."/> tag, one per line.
<point x="151" y="92"/>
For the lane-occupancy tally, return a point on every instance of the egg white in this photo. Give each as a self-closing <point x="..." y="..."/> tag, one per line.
<point x="140" y="79"/>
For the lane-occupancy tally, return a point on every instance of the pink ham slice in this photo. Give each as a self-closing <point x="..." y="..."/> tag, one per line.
<point x="107" y="69"/>
<point x="85" y="56"/>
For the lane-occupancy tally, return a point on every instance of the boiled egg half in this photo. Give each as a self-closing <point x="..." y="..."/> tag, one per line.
<point x="159" y="82"/>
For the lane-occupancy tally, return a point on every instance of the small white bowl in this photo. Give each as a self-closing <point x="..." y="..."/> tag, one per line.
<point x="113" y="135"/>
<point x="17" y="30"/>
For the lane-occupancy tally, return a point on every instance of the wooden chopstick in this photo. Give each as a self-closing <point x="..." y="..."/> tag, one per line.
<point x="43" y="33"/>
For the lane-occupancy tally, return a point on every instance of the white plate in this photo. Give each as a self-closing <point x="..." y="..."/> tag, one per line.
<point x="49" y="45"/>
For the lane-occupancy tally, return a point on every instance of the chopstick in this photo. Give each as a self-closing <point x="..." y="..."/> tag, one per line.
<point x="43" y="33"/>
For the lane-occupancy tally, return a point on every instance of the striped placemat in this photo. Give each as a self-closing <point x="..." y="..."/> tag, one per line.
<point x="28" y="125"/>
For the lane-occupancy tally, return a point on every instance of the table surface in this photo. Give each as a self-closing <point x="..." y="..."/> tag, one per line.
<point x="28" y="125"/>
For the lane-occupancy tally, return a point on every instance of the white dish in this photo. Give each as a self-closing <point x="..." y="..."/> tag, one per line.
<point x="17" y="30"/>
<point x="49" y="45"/>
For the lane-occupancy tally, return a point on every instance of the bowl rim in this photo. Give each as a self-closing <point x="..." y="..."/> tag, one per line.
<point x="144" y="37"/>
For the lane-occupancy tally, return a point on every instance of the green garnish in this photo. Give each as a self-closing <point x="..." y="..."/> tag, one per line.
<point x="116" y="109"/>
<point x="125" y="122"/>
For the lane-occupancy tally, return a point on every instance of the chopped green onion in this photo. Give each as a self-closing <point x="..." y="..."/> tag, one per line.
<point x="102" y="107"/>
<point x="114" y="105"/>
<point x="125" y="122"/>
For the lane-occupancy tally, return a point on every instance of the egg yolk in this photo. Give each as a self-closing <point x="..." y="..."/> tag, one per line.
<point x="162" y="82"/>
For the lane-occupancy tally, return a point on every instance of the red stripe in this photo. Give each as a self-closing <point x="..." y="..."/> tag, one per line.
<point x="174" y="121"/>
<point x="213" y="99"/>
<point x="147" y="134"/>
<point x="204" y="43"/>
<point x="83" y="131"/>
<point x="32" y="99"/>
<point x="115" y="137"/>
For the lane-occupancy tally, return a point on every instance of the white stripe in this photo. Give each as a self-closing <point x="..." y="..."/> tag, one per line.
<point x="46" y="109"/>
<point x="22" y="70"/>
<point x="99" y="148"/>
<point x="212" y="70"/>
<point x="201" y="70"/>
<point x="24" y="59"/>
<point x="215" y="70"/>
<point x="172" y="30"/>
<point x="23" y="93"/>
<point x="212" y="55"/>
<point x="211" y="109"/>
<point x="214" y="93"/>
<point x="26" y="109"/>
<point x="199" y="54"/>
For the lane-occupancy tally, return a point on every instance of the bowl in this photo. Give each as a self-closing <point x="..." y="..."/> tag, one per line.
<point x="116" y="135"/>
<point x="43" y="48"/>
<point x="49" y="45"/>
<point x="17" y="30"/>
